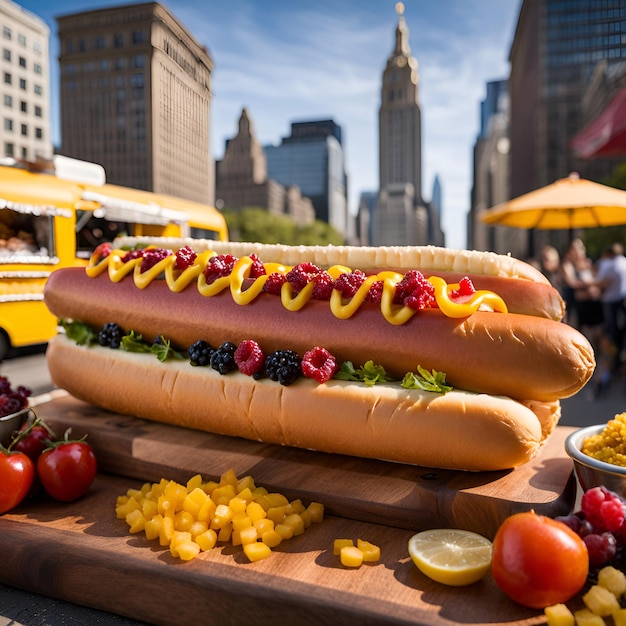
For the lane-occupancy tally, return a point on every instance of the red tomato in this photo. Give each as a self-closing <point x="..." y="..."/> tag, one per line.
<point x="32" y="440"/>
<point x="17" y="473"/>
<point x="538" y="561"/>
<point x="67" y="469"/>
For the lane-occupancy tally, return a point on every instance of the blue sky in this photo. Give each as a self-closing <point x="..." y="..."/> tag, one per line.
<point x="294" y="61"/>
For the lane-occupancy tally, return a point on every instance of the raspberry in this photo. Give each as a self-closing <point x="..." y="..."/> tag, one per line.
<point x="604" y="509"/>
<point x="132" y="255"/>
<point x="12" y="400"/>
<point x="219" y="266"/>
<point x="348" y="284"/>
<point x="152" y="256"/>
<point x="249" y="357"/>
<point x="302" y="274"/>
<point x="274" y="283"/>
<point x="324" y="285"/>
<point x="223" y="359"/>
<point x="257" y="269"/>
<point x="415" y="291"/>
<point x="283" y="366"/>
<point x="466" y="288"/>
<point x="185" y="258"/>
<point x="319" y="364"/>
<point x="375" y="293"/>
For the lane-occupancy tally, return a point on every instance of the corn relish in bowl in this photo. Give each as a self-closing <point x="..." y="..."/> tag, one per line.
<point x="599" y="454"/>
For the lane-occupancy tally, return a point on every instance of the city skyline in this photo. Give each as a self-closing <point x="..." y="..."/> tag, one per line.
<point x="286" y="63"/>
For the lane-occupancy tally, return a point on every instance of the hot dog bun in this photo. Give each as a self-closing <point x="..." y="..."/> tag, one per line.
<point x="520" y="356"/>
<point x="407" y="426"/>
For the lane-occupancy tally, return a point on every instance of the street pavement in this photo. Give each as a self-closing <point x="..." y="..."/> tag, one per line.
<point x="20" y="608"/>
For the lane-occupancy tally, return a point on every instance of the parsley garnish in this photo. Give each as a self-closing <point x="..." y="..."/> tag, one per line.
<point x="370" y="373"/>
<point x="78" y="332"/>
<point x="425" y="380"/>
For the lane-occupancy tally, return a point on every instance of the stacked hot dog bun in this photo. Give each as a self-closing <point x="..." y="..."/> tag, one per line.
<point x="498" y="343"/>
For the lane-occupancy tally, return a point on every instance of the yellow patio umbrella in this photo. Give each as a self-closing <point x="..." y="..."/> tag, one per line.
<point x="568" y="203"/>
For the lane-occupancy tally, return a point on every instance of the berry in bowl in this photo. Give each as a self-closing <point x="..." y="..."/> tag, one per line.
<point x="13" y="409"/>
<point x="599" y="455"/>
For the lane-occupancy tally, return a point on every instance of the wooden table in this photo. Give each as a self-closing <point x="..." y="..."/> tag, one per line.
<point x="81" y="553"/>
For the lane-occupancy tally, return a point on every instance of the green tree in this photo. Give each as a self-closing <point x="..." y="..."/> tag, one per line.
<point x="256" y="224"/>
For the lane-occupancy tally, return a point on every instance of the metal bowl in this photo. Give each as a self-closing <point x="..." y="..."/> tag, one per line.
<point x="10" y="423"/>
<point x="590" y="471"/>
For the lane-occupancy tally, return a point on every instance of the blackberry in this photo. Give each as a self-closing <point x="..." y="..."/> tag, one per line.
<point x="199" y="353"/>
<point x="111" y="335"/>
<point x="223" y="359"/>
<point x="283" y="366"/>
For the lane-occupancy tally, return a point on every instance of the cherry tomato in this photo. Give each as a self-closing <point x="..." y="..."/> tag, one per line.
<point x="32" y="439"/>
<point x="67" y="469"/>
<point x="538" y="561"/>
<point x="17" y="473"/>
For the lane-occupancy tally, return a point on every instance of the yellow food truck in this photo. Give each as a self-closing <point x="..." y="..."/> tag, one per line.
<point x="47" y="222"/>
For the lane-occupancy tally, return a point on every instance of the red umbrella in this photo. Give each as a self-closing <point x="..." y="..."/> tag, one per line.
<point x="606" y="135"/>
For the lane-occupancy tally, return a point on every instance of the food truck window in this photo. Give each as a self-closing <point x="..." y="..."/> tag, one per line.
<point x="25" y="238"/>
<point x="92" y="231"/>
<point x="202" y="233"/>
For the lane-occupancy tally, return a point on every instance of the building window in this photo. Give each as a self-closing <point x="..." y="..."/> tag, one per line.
<point x="7" y="78"/>
<point x="21" y="39"/>
<point x="81" y="45"/>
<point x="24" y="153"/>
<point x="38" y="111"/>
<point x="39" y="133"/>
<point x="8" y="101"/>
<point x="38" y="90"/>
<point x="104" y="65"/>
<point x="120" y="63"/>
<point x="6" y="55"/>
<point x="99" y="42"/>
<point x="118" y="40"/>
<point x="69" y="46"/>
<point x="23" y="106"/>
<point x="37" y="68"/>
<point x="37" y="47"/>
<point x="8" y="124"/>
<point x="8" y="149"/>
<point x="137" y="36"/>
<point x="22" y="62"/>
<point x="6" y="32"/>
<point x="138" y="60"/>
<point x="23" y="84"/>
<point x="24" y="130"/>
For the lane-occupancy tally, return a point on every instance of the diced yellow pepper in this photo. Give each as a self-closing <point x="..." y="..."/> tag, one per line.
<point x="286" y="532"/>
<point x="246" y="484"/>
<point x="371" y="552"/>
<point x="149" y="508"/>
<point x="195" y="482"/>
<point x="296" y="522"/>
<point x="316" y="512"/>
<point x="166" y="531"/>
<point x="277" y="513"/>
<point x="223" y="494"/>
<point x="136" y="521"/>
<point x="351" y="556"/>
<point x="222" y="516"/>
<point x="188" y="550"/>
<point x="241" y="521"/>
<point x="271" y="538"/>
<point x="245" y="494"/>
<point x="263" y="525"/>
<point x="248" y="535"/>
<point x="153" y="527"/>
<point x="207" y="540"/>
<point x="197" y="528"/>
<point x="207" y="510"/>
<point x="295" y="506"/>
<point x="277" y="499"/>
<point x="341" y="543"/>
<point x="229" y="478"/>
<point x="255" y="511"/>
<point x="225" y="533"/>
<point x="256" y="551"/>
<point x="237" y="505"/>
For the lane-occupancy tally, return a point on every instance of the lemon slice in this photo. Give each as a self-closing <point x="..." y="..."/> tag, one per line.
<point x="451" y="556"/>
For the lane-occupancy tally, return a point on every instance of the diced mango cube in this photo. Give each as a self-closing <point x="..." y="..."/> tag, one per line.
<point x="619" y="617"/>
<point x="263" y="525"/>
<point x="316" y="512"/>
<point x="256" y="551"/>
<point x="277" y="499"/>
<point x="183" y="520"/>
<point x="600" y="601"/>
<point x="223" y="494"/>
<point x="612" y="579"/>
<point x="153" y="527"/>
<point x="222" y="516"/>
<point x="229" y="478"/>
<point x="166" y="531"/>
<point x="241" y="521"/>
<point x="277" y="513"/>
<point x="286" y="532"/>
<point x="136" y="521"/>
<point x="584" y="617"/>
<point x="246" y="484"/>
<point x="255" y="511"/>
<point x="225" y="533"/>
<point x="195" y="482"/>
<point x="237" y="504"/>
<point x="248" y="535"/>
<point x="559" y="615"/>
<point x="295" y="506"/>
<point x="197" y="528"/>
<point x="149" y="508"/>
<point x="351" y="556"/>
<point x="207" y="510"/>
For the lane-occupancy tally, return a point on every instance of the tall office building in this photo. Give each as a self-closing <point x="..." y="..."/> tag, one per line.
<point x="312" y="159"/>
<point x="25" y="131"/>
<point x="556" y="48"/>
<point x="401" y="216"/>
<point x="136" y="97"/>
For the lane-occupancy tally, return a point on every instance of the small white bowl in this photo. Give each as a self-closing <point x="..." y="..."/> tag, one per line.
<point x="590" y="471"/>
<point x="10" y="423"/>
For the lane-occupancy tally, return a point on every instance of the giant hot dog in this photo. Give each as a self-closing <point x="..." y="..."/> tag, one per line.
<point x="508" y="369"/>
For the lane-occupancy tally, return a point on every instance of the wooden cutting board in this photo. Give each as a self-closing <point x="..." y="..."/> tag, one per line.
<point x="396" y="495"/>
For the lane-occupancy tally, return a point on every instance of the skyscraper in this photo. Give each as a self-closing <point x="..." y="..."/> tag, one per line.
<point x="25" y="131"/>
<point x="401" y="216"/>
<point x="312" y="158"/>
<point x="135" y="98"/>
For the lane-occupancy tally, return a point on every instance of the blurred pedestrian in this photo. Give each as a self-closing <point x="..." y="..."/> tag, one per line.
<point x="582" y="293"/>
<point x="611" y="278"/>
